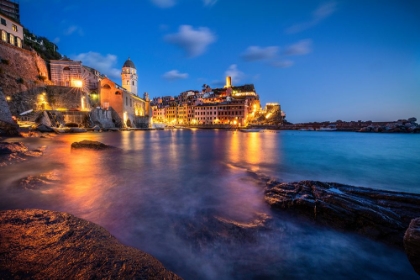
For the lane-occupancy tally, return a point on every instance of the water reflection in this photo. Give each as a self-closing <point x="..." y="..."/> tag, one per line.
<point x="188" y="198"/>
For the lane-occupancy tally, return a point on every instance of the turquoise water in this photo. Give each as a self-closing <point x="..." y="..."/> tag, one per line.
<point x="187" y="197"/>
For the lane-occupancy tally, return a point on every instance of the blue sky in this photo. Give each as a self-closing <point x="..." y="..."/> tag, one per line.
<point x="321" y="60"/>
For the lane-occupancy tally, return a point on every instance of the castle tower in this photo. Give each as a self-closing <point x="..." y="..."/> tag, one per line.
<point x="129" y="76"/>
<point x="228" y="82"/>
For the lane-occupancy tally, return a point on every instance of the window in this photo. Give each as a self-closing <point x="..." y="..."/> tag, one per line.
<point x="11" y="39"/>
<point x="19" y="42"/>
<point x="133" y="83"/>
<point x="126" y="101"/>
<point x="3" y="21"/>
<point x="4" y="35"/>
<point x="14" y="27"/>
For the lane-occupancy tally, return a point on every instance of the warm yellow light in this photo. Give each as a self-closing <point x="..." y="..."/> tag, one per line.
<point x="77" y="83"/>
<point x="268" y="115"/>
<point x="8" y="98"/>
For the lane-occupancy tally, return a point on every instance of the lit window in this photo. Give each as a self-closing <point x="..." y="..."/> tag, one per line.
<point x="3" y="35"/>
<point x="11" y="39"/>
<point x="19" y="42"/>
<point x="14" y="27"/>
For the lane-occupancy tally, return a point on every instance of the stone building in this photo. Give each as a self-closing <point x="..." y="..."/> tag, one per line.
<point x="11" y="31"/>
<point x="133" y="110"/>
<point x="66" y="72"/>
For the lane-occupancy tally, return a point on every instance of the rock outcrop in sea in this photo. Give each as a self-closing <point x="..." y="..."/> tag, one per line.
<point x="412" y="244"/>
<point x="89" y="144"/>
<point x="13" y="152"/>
<point x="380" y="215"/>
<point x="41" y="244"/>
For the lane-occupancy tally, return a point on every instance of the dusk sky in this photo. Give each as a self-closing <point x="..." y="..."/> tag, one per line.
<point x="321" y="60"/>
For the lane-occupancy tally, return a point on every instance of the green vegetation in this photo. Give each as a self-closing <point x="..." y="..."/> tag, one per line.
<point x="46" y="49"/>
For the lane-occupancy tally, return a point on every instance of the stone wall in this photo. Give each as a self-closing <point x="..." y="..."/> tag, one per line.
<point x="66" y="97"/>
<point x="20" y="69"/>
<point x="105" y="118"/>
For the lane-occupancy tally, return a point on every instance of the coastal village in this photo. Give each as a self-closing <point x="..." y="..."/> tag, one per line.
<point x="45" y="91"/>
<point x="52" y="94"/>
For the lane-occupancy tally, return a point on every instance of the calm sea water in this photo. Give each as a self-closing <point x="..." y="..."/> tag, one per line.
<point x="188" y="197"/>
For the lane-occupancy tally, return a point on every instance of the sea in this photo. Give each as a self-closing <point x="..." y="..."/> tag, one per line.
<point x="194" y="199"/>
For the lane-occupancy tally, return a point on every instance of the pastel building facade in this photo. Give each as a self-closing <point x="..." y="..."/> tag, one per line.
<point x="11" y="31"/>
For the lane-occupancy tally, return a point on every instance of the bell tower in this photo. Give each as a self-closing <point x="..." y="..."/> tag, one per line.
<point x="129" y="76"/>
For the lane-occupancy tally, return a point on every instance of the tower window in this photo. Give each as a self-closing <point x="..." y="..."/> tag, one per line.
<point x="14" y="27"/>
<point x="133" y="83"/>
<point x="3" y="21"/>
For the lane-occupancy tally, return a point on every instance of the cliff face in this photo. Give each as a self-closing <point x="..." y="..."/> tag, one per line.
<point x="21" y="70"/>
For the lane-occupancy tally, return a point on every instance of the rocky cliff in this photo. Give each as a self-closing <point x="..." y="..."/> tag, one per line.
<point x="21" y="70"/>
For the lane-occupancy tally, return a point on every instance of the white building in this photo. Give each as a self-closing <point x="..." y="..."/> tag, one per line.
<point x="11" y="31"/>
<point x="129" y="76"/>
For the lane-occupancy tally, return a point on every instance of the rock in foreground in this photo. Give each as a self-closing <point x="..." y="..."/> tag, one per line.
<point x="412" y="244"/>
<point x="40" y="244"/>
<point x="381" y="215"/>
<point x="88" y="144"/>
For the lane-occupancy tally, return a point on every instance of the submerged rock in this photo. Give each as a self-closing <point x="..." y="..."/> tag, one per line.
<point x="381" y="215"/>
<point x="13" y="152"/>
<point x="412" y="244"/>
<point x="40" y="244"/>
<point x="89" y="144"/>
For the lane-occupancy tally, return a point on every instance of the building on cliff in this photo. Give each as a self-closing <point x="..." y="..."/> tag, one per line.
<point x="11" y="31"/>
<point x="10" y="9"/>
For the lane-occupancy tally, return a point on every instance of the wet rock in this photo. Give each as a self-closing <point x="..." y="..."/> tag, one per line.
<point x="88" y="144"/>
<point x="39" y="181"/>
<point x="16" y="152"/>
<point x="412" y="244"/>
<point x="40" y="244"/>
<point x="44" y="128"/>
<point x="13" y="147"/>
<point x="381" y="215"/>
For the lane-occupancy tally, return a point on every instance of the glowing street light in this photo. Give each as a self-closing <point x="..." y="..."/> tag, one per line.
<point x="77" y="83"/>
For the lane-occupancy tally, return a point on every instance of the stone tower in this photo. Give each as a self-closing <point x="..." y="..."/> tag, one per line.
<point x="129" y="76"/>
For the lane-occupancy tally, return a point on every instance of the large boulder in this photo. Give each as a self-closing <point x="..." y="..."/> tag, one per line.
<point x="40" y="244"/>
<point x="12" y="147"/>
<point x="89" y="144"/>
<point x="381" y="215"/>
<point x="412" y="244"/>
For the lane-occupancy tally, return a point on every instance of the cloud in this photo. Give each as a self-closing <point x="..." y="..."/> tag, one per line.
<point x="322" y="12"/>
<point x="255" y="53"/>
<point x="300" y="48"/>
<point x="72" y="29"/>
<point x="104" y="64"/>
<point x="193" y="42"/>
<point x="56" y="40"/>
<point x="282" y="63"/>
<point x="164" y="3"/>
<point x="234" y="73"/>
<point x="209" y="2"/>
<point x="174" y="75"/>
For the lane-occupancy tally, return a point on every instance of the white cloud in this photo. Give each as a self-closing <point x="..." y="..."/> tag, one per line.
<point x="254" y="53"/>
<point x="104" y="64"/>
<point x="193" y="41"/>
<point x="73" y="29"/>
<point x="300" y="48"/>
<point x="322" y="12"/>
<point x="234" y="73"/>
<point x="175" y="75"/>
<point x="164" y="3"/>
<point x="209" y="2"/>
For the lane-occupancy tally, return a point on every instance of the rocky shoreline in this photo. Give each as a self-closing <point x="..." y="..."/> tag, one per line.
<point x="41" y="244"/>
<point x="381" y="215"/>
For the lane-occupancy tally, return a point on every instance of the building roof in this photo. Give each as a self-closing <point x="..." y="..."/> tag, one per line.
<point x="129" y="63"/>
